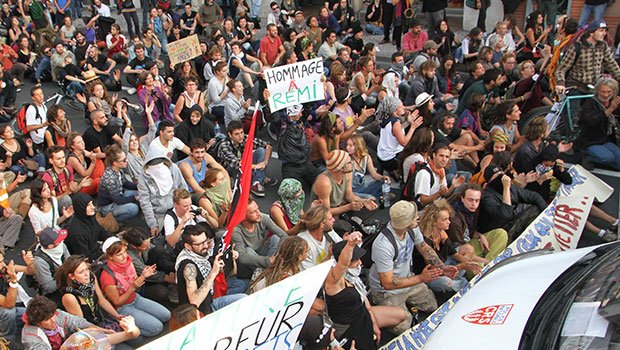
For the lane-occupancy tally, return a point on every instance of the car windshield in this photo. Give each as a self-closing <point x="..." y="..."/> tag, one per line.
<point x="593" y="317"/>
<point x="580" y="310"/>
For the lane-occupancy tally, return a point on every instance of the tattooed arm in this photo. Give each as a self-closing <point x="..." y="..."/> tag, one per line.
<point x="431" y="257"/>
<point x="196" y="294"/>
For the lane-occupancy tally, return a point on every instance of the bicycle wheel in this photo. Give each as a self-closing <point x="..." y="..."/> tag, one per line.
<point x="533" y="113"/>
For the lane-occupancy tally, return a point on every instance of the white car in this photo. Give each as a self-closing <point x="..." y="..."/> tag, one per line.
<point x="540" y="300"/>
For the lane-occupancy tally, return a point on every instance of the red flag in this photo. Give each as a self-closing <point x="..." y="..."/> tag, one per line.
<point x="239" y="202"/>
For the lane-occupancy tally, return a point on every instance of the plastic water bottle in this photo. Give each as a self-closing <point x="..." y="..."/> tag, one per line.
<point x="385" y="189"/>
<point x="218" y="131"/>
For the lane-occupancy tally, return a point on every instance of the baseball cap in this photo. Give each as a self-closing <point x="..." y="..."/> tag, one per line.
<point x="51" y="236"/>
<point x="430" y="44"/>
<point x="597" y="24"/>
<point x="491" y="170"/>
<point x="337" y="248"/>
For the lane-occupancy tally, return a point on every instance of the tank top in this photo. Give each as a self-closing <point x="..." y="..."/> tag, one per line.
<point x="348" y="312"/>
<point x="287" y="221"/>
<point x="336" y="197"/>
<point x="196" y="174"/>
<point x="185" y="112"/>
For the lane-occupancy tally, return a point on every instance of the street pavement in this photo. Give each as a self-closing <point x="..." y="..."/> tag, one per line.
<point x="273" y="170"/>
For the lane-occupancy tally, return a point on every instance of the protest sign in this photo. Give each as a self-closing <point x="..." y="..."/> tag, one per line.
<point x="184" y="49"/>
<point x="268" y="319"/>
<point x="559" y="227"/>
<point x="295" y="83"/>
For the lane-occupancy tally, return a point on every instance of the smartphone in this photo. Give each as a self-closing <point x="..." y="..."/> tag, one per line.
<point x="226" y="251"/>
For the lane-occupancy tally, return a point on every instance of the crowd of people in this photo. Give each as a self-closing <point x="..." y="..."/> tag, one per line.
<point x="128" y="215"/>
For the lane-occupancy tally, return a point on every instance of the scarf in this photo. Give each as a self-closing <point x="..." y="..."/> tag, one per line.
<point x="202" y="262"/>
<point x="386" y="109"/>
<point x="163" y="178"/>
<point x="292" y="205"/>
<point x="390" y="84"/>
<point x="217" y="195"/>
<point x="353" y="276"/>
<point x="61" y="130"/>
<point x="55" y="253"/>
<point x="441" y="172"/>
<point x="86" y="291"/>
<point x="54" y="336"/>
<point x="124" y="273"/>
<point x="555" y="61"/>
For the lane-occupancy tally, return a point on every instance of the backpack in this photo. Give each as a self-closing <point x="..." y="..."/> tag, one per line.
<point x="30" y="280"/>
<point x="21" y="118"/>
<point x="408" y="191"/>
<point x="100" y="267"/>
<point x="367" y="244"/>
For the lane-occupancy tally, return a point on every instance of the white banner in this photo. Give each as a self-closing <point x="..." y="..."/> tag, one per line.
<point x="295" y="83"/>
<point x="559" y="226"/>
<point x="268" y="319"/>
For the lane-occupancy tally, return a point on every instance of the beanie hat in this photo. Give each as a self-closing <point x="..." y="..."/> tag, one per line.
<point x="337" y="159"/>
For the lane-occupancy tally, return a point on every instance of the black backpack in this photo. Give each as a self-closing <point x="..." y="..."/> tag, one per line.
<point x="408" y="190"/>
<point x="30" y="280"/>
<point x="367" y="244"/>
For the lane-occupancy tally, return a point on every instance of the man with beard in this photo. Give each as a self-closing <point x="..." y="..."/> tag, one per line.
<point x="464" y="227"/>
<point x="426" y="81"/>
<point x="100" y="135"/>
<point x="195" y="166"/>
<point x="428" y="53"/>
<point x="491" y="79"/>
<point x="81" y="48"/>
<point x="505" y="205"/>
<point x="319" y="233"/>
<point x="271" y="48"/>
<point x="430" y="182"/>
<point x="195" y="273"/>
<point x="209" y="17"/>
<point x="230" y="153"/>
<point x="256" y="239"/>
<point x="463" y="141"/>
<point x="334" y="188"/>
<point x="414" y="39"/>
<point x="104" y="67"/>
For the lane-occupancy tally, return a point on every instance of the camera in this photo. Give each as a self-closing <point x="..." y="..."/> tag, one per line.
<point x="196" y="212"/>
<point x="540" y="46"/>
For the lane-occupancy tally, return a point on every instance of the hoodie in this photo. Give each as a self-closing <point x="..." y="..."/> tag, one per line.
<point x="84" y="231"/>
<point x="154" y="204"/>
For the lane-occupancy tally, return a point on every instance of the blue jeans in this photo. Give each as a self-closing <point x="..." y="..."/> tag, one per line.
<point x="74" y="88"/>
<point x="11" y="323"/>
<point x="373" y="29"/>
<point x="225" y="300"/>
<point x="122" y="212"/>
<point x="257" y="157"/>
<point x="445" y="284"/>
<point x="39" y="158"/>
<point x="255" y="7"/>
<point x="599" y="11"/>
<point x="150" y="316"/>
<point x="366" y="190"/>
<point x="237" y="285"/>
<point x="44" y="66"/>
<point x="607" y="153"/>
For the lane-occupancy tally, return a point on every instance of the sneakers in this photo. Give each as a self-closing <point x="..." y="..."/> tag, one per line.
<point x="270" y="181"/>
<point x="258" y="190"/>
<point x="613" y="228"/>
<point x="131" y="91"/>
<point x="609" y="236"/>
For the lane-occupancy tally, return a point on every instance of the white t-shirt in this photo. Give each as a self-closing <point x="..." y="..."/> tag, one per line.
<point x="383" y="258"/>
<point x="318" y="250"/>
<point x="37" y="136"/>
<point x="423" y="183"/>
<point x="104" y="10"/>
<point x="169" y="225"/>
<point x="41" y="220"/>
<point x="409" y="161"/>
<point x="175" y="143"/>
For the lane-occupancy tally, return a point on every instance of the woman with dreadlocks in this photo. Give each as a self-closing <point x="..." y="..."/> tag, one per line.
<point x="291" y="253"/>
<point x="397" y="127"/>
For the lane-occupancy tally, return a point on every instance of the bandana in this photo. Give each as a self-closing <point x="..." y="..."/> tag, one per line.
<point x="61" y="130"/>
<point x="217" y="195"/>
<point x="162" y="176"/>
<point x="55" y="253"/>
<point x="292" y="205"/>
<point x="441" y="172"/>
<point x="386" y="109"/>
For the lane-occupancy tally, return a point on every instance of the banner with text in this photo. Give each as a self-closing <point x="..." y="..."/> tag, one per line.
<point x="184" y="49"/>
<point x="268" y="319"/>
<point x="295" y="83"/>
<point x="559" y="227"/>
